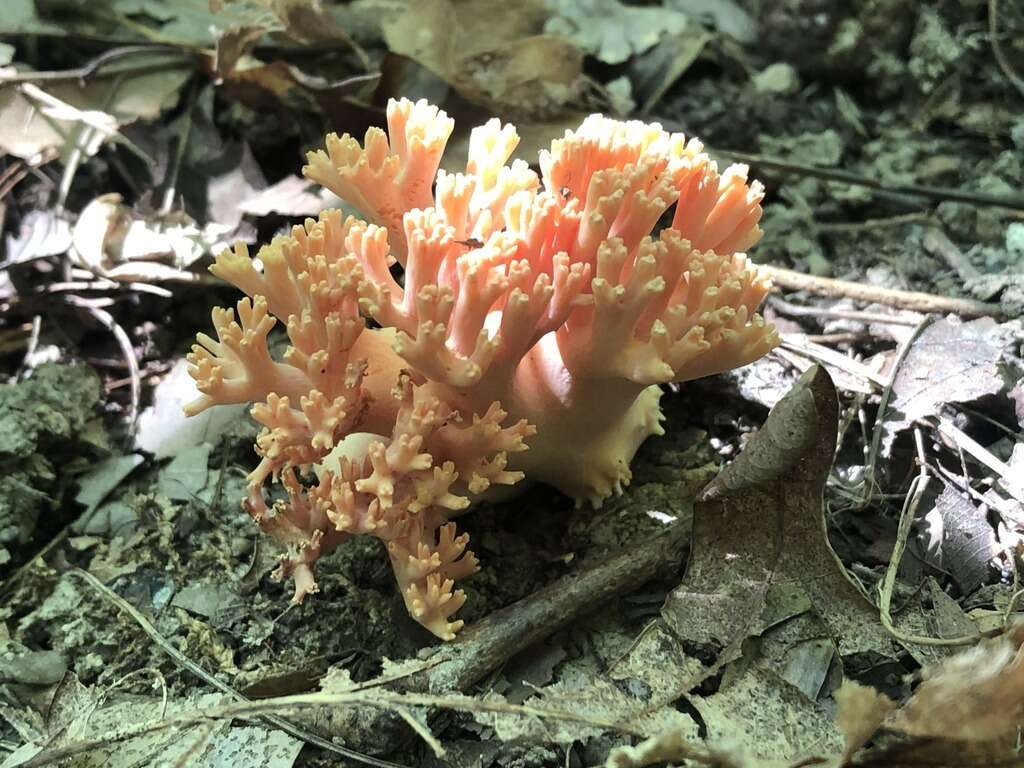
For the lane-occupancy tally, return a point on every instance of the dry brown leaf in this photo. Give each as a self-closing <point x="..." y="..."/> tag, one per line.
<point x="760" y="527"/>
<point x="976" y="695"/>
<point x="861" y="711"/>
<point x="111" y="241"/>
<point x="64" y="116"/>
<point x="494" y="56"/>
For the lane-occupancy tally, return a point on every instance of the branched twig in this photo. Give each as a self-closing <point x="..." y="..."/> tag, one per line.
<point x="380" y="699"/>
<point x="794" y="310"/>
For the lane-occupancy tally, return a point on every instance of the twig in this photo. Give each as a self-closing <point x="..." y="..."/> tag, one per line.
<point x="487" y="645"/>
<point x="103" y="284"/>
<point x="7" y="589"/>
<point x="30" y="348"/>
<point x="972" y="447"/>
<point x="1011" y="202"/>
<point x="90" y="68"/>
<point x="876" y="436"/>
<point x="828" y="356"/>
<point x="997" y="48"/>
<point x="179" y="156"/>
<point x="380" y="699"/>
<point x="840" y="227"/>
<point x="795" y="310"/>
<point x="421" y="730"/>
<point x="907" y="515"/>
<point x="847" y="289"/>
<point x="12" y="175"/>
<point x="938" y="244"/>
<point x="184" y="661"/>
<point x="839" y="337"/>
<point x="101" y="122"/>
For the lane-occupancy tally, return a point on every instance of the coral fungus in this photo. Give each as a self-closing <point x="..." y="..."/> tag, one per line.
<point x="525" y="325"/>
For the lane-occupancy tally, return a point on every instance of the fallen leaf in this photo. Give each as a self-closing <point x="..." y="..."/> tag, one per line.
<point x="187" y="474"/>
<point x="861" y="710"/>
<point x="959" y="538"/>
<point x="759" y="717"/>
<point x="494" y="56"/>
<point x="39" y="233"/>
<point x="760" y="527"/>
<point x="164" y="430"/>
<point x="113" y="241"/>
<point x="65" y="116"/>
<point x="976" y="695"/>
<point x="291" y="196"/>
<point x="659" y="68"/>
<point x="950" y="362"/>
<point x="96" y="484"/>
<point x="724" y="15"/>
<point x="82" y="712"/>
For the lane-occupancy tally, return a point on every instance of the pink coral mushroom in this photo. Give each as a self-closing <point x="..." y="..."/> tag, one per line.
<point x="516" y="312"/>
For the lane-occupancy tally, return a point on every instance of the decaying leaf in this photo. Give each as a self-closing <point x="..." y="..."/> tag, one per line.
<point x="66" y="116"/>
<point x="672" y="745"/>
<point x="291" y="196"/>
<point x="976" y="695"/>
<point x="761" y="530"/>
<point x="113" y="241"/>
<point x="658" y="69"/>
<point x="494" y="55"/>
<point x="950" y="362"/>
<point x="967" y="711"/>
<point x="726" y="16"/>
<point x="748" y="715"/>
<point x="78" y="712"/>
<point x="861" y="710"/>
<point x="761" y="566"/>
<point x="959" y="538"/>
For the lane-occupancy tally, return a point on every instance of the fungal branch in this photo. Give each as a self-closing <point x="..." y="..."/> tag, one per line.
<point x="510" y="315"/>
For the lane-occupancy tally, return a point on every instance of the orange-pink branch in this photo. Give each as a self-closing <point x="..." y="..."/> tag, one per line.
<point x="519" y="315"/>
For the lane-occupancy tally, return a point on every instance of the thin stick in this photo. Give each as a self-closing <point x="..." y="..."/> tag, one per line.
<point x="87" y="71"/>
<point x="184" y="661"/>
<point x="917" y="488"/>
<point x="872" y="294"/>
<point x="840" y="227"/>
<point x="1011" y="202"/>
<point x="971" y="446"/>
<point x="795" y="310"/>
<point x="936" y="242"/>
<point x="421" y="730"/>
<point x="30" y="348"/>
<point x="380" y="699"/>
<point x="488" y="644"/>
<point x="876" y="436"/>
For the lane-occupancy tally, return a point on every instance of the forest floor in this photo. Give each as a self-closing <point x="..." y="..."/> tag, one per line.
<point x="139" y="620"/>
